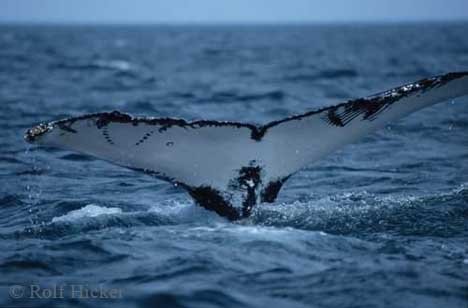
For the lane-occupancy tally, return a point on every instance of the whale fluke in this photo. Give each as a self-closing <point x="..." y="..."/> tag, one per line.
<point x="228" y="167"/>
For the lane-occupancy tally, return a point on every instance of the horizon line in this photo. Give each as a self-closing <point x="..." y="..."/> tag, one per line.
<point x="227" y="23"/>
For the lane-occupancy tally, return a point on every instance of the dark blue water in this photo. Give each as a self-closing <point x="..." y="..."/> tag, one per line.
<point x="381" y="223"/>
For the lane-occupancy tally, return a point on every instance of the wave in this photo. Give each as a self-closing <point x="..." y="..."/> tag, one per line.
<point x="233" y="96"/>
<point x="77" y="157"/>
<point x="363" y="213"/>
<point x="90" y="210"/>
<point x="358" y="213"/>
<point x="10" y="160"/>
<point x="322" y="75"/>
<point x="115" y="65"/>
<point x="93" y="217"/>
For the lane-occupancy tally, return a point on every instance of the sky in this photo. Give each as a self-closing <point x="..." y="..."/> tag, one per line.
<point x="230" y="11"/>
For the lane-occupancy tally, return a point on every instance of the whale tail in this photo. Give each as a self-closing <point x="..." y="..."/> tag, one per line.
<point x="228" y="167"/>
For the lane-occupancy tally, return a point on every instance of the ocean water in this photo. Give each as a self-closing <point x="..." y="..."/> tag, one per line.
<point x="380" y="223"/>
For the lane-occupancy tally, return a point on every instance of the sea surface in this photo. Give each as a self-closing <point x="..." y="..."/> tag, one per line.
<point x="380" y="223"/>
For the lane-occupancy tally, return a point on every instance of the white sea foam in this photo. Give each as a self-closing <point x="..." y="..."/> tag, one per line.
<point x="91" y="210"/>
<point x="184" y="211"/>
<point x="120" y="65"/>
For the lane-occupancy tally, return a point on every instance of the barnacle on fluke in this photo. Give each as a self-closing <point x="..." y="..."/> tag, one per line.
<point x="36" y="131"/>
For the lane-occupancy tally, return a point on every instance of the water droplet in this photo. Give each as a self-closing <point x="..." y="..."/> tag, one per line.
<point x="169" y="143"/>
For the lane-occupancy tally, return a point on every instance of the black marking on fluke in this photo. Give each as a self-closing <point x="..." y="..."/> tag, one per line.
<point x="271" y="190"/>
<point x="146" y="136"/>
<point x="66" y="127"/>
<point x="249" y="179"/>
<point x="343" y="115"/>
<point x="248" y="182"/>
<point x="211" y="199"/>
<point x="372" y="106"/>
<point x="105" y="133"/>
